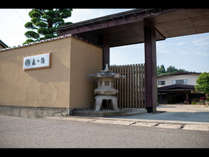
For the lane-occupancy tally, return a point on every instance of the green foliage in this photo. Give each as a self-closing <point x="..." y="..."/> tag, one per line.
<point x="203" y="83"/>
<point x="181" y="70"/>
<point x="35" y="13"/>
<point x="28" y="41"/>
<point x="45" y="22"/>
<point x="29" y="25"/>
<point x="171" y="69"/>
<point x="31" y="34"/>
<point x="193" y="102"/>
<point x="161" y="69"/>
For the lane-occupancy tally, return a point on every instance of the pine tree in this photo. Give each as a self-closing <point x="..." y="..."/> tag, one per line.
<point x="171" y="69"/>
<point x="161" y="69"/>
<point x="44" y="23"/>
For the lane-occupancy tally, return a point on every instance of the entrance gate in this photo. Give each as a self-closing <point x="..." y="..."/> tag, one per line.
<point x="131" y="87"/>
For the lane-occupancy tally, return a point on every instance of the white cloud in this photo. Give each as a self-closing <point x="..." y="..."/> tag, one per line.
<point x="87" y="14"/>
<point x="201" y="52"/>
<point x="180" y="43"/>
<point x="12" y="22"/>
<point x="80" y="15"/>
<point x="12" y="26"/>
<point x="201" y="41"/>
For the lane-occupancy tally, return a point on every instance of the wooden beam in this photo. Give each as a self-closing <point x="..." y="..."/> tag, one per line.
<point x="106" y="55"/>
<point x="150" y="67"/>
<point x="102" y="24"/>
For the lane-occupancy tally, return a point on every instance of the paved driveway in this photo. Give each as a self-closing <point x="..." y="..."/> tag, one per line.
<point x="183" y="117"/>
<point x="185" y="113"/>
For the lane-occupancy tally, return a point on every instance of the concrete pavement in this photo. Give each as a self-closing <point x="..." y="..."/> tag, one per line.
<point x="165" y="130"/>
<point x="18" y="132"/>
<point x="185" y="117"/>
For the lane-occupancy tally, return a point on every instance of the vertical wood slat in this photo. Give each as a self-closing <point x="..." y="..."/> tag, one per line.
<point x="132" y="83"/>
<point x="143" y="85"/>
<point x="143" y="80"/>
<point x="127" y="84"/>
<point x="130" y="100"/>
<point x="119" y="87"/>
<point x="135" y="86"/>
<point x="140" y="84"/>
<point x="140" y="87"/>
<point x="123" y="91"/>
<point x="123" y="81"/>
<point x="131" y="88"/>
<point x="121" y="102"/>
<point x="116" y="69"/>
<point x="120" y="94"/>
<point x="128" y="79"/>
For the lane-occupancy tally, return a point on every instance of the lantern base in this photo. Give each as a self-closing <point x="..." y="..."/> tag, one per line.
<point x="100" y="98"/>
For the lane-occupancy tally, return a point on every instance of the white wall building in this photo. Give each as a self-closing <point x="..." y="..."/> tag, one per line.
<point x="177" y="88"/>
<point x="178" y="78"/>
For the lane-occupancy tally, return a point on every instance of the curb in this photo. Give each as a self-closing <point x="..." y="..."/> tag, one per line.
<point x="184" y="125"/>
<point x="107" y="113"/>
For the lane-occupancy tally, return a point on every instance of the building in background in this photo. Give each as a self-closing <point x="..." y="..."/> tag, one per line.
<point x="178" y="88"/>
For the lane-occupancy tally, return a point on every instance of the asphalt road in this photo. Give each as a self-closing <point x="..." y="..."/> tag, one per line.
<point x="16" y="132"/>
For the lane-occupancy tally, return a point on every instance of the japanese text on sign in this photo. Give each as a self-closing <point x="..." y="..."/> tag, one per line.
<point x="38" y="61"/>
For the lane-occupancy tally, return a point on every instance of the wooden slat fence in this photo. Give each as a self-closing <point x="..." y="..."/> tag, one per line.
<point x="131" y="87"/>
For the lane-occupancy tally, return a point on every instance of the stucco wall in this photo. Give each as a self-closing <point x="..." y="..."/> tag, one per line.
<point x="191" y="79"/>
<point x="36" y="88"/>
<point x="85" y="59"/>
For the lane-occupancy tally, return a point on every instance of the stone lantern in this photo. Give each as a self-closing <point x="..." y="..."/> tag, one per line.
<point x="105" y="89"/>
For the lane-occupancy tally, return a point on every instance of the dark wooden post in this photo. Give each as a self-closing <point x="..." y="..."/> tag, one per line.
<point x="106" y="55"/>
<point x="187" y="98"/>
<point x="150" y="68"/>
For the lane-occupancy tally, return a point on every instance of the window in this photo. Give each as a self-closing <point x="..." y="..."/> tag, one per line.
<point x="161" y="82"/>
<point x="182" y="81"/>
<point x="179" y="81"/>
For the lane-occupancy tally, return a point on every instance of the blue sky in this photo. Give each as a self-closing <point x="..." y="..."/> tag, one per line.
<point x="186" y="52"/>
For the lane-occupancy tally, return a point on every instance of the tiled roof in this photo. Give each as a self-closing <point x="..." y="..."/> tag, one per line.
<point x="177" y="73"/>
<point x="105" y="18"/>
<point x="37" y="42"/>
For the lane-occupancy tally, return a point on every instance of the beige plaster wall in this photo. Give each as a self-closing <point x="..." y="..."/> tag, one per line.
<point x="85" y="59"/>
<point x="36" y="88"/>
